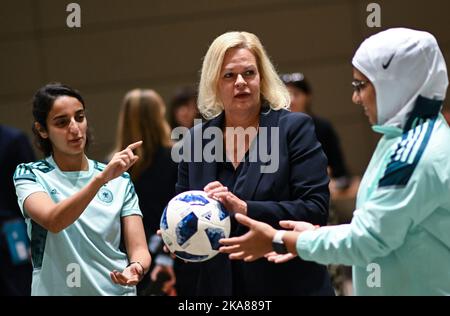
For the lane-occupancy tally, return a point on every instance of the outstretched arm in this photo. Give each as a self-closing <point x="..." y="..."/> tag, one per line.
<point x="57" y="216"/>
<point x="257" y="242"/>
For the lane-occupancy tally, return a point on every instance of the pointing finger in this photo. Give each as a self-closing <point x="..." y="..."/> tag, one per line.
<point x="135" y="145"/>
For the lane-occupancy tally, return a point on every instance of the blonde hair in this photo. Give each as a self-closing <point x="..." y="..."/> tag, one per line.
<point x="272" y="88"/>
<point x="142" y="118"/>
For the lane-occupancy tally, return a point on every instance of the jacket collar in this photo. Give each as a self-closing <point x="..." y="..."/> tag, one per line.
<point x="423" y="109"/>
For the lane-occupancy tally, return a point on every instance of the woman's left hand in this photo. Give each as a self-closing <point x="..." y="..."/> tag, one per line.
<point x="130" y="276"/>
<point x="230" y="201"/>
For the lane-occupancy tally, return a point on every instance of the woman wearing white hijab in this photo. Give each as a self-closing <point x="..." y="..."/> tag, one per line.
<point x="398" y="241"/>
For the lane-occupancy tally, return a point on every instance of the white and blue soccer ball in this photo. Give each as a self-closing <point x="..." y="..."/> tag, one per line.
<point x="192" y="225"/>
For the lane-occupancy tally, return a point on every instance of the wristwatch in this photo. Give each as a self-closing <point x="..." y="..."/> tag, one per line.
<point x="277" y="242"/>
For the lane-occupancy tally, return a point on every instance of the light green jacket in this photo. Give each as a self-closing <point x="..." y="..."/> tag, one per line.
<point x="399" y="238"/>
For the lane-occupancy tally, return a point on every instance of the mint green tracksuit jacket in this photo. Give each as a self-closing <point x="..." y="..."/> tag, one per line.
<point x="398" y="241"/>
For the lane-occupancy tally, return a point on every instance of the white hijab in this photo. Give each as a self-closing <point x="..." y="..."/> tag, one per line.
<point x="402" y="64"/>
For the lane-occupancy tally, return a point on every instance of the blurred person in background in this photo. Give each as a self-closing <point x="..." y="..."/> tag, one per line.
<point x="343" y="187"/>
<point x="15" y="261"/>
<point x="301" y="101"/>
<point x="142" y="117"/>
<point x="183" y="108"/>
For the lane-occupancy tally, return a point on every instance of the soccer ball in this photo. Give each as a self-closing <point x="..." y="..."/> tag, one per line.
<point x="192" y="225"/>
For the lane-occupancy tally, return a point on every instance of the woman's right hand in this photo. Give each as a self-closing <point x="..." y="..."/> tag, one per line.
<point x="120" y="162"/>
<point x="231" y="202"/>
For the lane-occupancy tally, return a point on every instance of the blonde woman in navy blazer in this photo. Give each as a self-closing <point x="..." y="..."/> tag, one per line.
<point x="239" y="87"/>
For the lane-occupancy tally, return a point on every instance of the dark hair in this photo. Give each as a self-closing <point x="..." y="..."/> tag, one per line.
<point x="181" y="97"/>
<point x="298" y="80"/>
<point x="42" y="104"/>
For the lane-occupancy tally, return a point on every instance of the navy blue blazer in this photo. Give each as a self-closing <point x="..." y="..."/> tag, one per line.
<point x="297" y="190"/>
